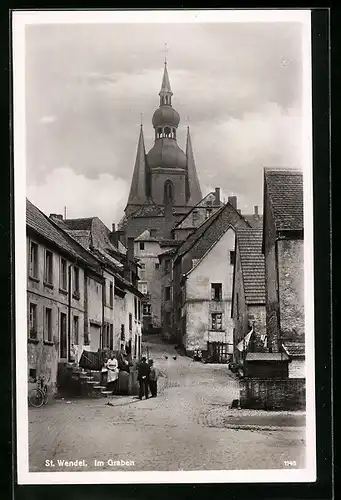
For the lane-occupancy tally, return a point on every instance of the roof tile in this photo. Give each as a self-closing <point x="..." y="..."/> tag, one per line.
<point x="285" y="191"/>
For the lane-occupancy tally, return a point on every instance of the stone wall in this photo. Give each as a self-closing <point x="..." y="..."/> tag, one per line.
<point x="291" y="288"/>
<point x="273" y="394"/>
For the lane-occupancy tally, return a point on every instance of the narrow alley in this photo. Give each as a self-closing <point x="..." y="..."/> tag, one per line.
<point x="189" y="426"/>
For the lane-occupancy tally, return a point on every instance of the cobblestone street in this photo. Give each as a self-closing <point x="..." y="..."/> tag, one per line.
<point x="189" y="426"/>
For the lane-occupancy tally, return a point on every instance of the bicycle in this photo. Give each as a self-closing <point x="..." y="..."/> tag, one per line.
<point x="38" y="397"/>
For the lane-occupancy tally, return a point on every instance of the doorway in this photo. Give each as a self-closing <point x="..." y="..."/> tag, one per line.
<point x="218" y="352"/>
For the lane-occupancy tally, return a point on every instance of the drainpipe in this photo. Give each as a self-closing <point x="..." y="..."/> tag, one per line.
<point x="69" y="315"/>
<point x="103" y="300"/>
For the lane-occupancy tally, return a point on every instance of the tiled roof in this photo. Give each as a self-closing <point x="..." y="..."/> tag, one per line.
<point x="255" y="220"/>
<point x="45" y="227"/>
<point x="252" y="264"/>
<point x="266" y="356"/>
<point x="169" y="243"/>
<point x="39" y="222"/>
<point x="295" y="348"/>
<point x="84" y="224"/>
<point x="285" y="191"/>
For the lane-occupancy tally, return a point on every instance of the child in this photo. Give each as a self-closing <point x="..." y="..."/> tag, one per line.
<point x="152" y="379"/>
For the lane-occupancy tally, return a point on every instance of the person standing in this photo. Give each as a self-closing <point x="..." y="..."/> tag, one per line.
<point x="112" y="377"/>
<point x="152" y="379"/>
<point x="143" y="371"/>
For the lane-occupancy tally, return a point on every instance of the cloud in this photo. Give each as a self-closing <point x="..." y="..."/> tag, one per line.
<point x="104" y="197"/>
<point x="48" y="119"/>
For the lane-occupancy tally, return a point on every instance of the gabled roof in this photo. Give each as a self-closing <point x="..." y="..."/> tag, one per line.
<point x="294" y="349"/>
<point x="284" y="188"/>
<point x="145" y="236"/>
<point x="200" y="204"/>
<point x="256" y="221"/>
<point x="249" y="242"/>
<point x="211" y="229"/>
<point x="48" y="229"/>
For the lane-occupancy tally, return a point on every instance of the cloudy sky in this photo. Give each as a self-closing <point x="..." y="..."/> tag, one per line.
<point x="238" y="86"/>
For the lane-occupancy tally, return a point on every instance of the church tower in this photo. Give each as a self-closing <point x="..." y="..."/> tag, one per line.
<point x="165" y="176"/>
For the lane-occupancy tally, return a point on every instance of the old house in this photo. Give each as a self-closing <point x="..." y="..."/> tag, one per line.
<point x="57" y="276"/>
<point x="118" y="324"/>
<point x="202" y="285"/>
<point x="283" y="247"/>
<point x="248" y="296"/>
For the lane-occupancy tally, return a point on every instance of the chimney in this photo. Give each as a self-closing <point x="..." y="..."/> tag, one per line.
<point x="130" y="249"/>
<point x="233" y="201"/>
<point x="217" y="196"/>
<point x="256" y="210"/>
<point x="56" y="216"/>
<point x="113" y="227"/>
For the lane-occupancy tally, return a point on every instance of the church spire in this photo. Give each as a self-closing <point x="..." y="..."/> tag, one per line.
<point x="166" y="91"/>
<point x="193" y="191"/>
<point x="138" y="188"/>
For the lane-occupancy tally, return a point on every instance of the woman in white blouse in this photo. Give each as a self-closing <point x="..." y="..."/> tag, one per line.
<point x="112" y="366"/>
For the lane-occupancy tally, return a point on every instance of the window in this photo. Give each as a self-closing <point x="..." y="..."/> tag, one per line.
<point x="105" y="340"/>
<point x="130" y="322"/>
<point x="33" y="322"/>
<point x="232" y="257"/>
<point x="168" y="318"/>
<point x="146" y="309"/>
<point x="167" y="293"/>
<point x="48" y="270"/>
<point x="157" y="265"/>
<point x="76" y="330"/>
<point x="135" y="307"/>
<point x="208" y="212"/>
<point x="216" y="291"/>
<point x="63" y="274"/>
<point x="217" y="321"/>
<point x="63" y="336"/>
<point x="142" y="272"/>
<point x="123" y="337"/>
<point x="33" y="260"/>
<point x="168" y="193"/>
<point x="143" y="288"/>
<point x="139" y="310"/>
<point x="141" y="245"/>
<point x="32" y="375"/>
<point x="76" y="282"/>
<point x="111" y="294"/>
<point x="167" y="265"/>
<point x="48" y="325"/>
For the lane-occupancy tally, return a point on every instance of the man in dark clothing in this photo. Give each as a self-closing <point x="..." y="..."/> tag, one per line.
<point x="143" y="371"/>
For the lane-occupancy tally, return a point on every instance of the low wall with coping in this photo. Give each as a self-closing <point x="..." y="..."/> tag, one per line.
<point x="273" y="394"/>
